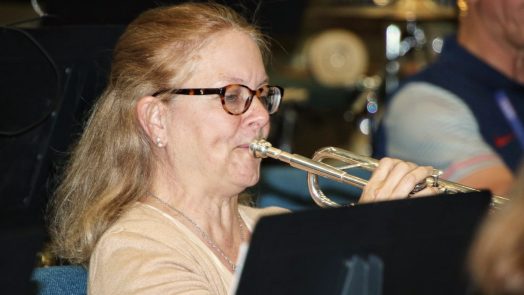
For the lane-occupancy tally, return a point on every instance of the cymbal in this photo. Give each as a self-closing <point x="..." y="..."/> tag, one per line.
<point x="399" y="11"/>
<point x="337" y="57"/>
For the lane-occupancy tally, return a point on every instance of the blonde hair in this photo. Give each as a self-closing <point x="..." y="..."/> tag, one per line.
<point x="111" y="165"/>
<point x="497" y="256"/>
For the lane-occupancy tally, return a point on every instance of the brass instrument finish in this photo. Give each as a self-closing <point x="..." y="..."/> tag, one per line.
<point x="316" y="167"/>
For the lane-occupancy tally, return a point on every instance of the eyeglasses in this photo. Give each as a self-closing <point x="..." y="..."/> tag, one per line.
<point x="237" y="98"/>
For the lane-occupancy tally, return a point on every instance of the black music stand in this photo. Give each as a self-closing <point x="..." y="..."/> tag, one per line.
<point x="411" y="246"/>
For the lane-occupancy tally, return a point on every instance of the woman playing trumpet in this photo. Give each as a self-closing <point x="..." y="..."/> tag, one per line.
<point x="150" y="199"/>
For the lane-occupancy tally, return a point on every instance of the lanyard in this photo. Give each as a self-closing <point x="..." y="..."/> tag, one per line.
<point x="509" y="112"/>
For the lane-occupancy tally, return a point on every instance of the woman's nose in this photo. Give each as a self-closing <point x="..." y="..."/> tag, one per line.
<point x="257" y="114"/>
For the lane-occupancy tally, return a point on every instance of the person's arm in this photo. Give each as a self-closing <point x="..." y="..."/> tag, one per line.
<point x="430" y="126"/>
<point x="496" y="252"/>
<point x="497" y="178"/>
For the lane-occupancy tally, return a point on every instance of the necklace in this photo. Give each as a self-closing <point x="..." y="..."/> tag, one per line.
<point x="204" y="235"/>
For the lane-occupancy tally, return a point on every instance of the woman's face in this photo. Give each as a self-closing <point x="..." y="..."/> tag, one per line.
<point x="206" y="146"/>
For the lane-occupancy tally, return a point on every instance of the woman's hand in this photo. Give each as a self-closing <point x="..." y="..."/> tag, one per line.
<point x="395" y="179"/>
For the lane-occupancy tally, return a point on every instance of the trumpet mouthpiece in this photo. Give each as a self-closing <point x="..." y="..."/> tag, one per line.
<point x="259" y="148"/>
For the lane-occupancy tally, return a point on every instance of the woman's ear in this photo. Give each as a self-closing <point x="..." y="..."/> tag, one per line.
<point x="151" y="115"/>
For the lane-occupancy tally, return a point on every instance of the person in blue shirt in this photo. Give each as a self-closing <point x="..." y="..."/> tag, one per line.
<point x="463" y="114"/>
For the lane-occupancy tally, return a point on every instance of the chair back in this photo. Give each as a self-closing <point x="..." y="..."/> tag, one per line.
<point x="58" y="280"/>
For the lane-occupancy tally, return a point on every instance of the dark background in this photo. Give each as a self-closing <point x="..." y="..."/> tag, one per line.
<point x="53" y="67"/>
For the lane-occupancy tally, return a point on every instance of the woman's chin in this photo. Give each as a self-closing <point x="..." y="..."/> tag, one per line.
<point x="245" y="171"/>
<point x="250" y="180"/>
<point x="246" y="178"/>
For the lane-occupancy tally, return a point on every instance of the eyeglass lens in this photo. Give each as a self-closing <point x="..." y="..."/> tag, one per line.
<point x="238" y="98"/>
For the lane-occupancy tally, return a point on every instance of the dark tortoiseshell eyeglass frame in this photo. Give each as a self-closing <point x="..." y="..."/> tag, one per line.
<point x="270" y="96"/>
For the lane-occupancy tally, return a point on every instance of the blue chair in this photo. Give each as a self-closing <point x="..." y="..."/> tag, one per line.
<point x="286" y="187"/>
<point x="60" y="280"/>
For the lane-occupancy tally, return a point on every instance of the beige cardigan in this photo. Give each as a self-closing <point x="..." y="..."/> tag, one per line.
<point x="149" y="252"/>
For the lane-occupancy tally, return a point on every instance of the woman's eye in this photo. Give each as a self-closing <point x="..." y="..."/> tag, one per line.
<point x="231" y="98"/>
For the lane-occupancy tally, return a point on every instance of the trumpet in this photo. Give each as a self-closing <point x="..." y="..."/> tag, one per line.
<point x="316" y="167"/>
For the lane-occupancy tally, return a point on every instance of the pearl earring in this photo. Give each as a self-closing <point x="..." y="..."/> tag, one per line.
<point x="159" y="142"/>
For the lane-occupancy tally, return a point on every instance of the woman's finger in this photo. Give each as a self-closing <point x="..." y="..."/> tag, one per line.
<point x="395" y="179"/>
<point x="428" y="191"/>
<point x="385" y="179"/>
<point x="412" y="177"/>
<point x="380" y="174"/>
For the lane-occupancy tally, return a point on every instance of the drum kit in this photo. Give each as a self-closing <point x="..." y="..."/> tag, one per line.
<point x="339" y="57"/>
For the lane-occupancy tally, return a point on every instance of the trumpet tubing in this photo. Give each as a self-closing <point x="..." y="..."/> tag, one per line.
<point x="316" y="167"/>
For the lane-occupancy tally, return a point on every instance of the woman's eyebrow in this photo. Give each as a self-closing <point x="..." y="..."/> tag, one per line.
<point x="236" y="80"/>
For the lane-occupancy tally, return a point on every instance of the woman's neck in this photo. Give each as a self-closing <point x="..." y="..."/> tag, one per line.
<point x="213" y="218"/>
<point x="221" y="228"/>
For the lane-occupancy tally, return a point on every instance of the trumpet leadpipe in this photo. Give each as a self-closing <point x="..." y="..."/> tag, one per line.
<point x="263" y="149"/>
